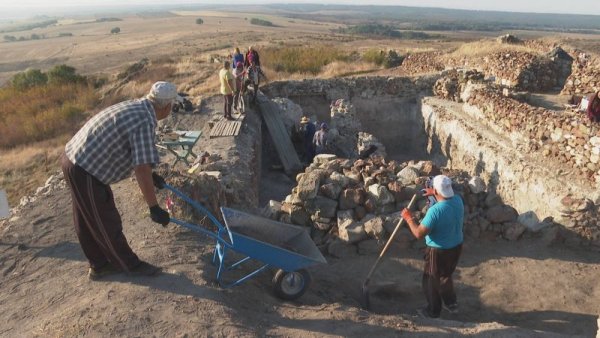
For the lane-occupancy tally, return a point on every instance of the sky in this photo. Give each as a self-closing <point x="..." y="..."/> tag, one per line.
<point x="535" y="6"/>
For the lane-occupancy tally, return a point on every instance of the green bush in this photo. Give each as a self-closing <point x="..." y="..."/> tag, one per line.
<point x="375" y="56"/>
<point x="199" y="21"/>
<point x="10" y="38"/>
<point x="115" y="30"/>
<point x="29" y="78"/>
<point x="261" y="22"/>
<point x="63" y="74"/>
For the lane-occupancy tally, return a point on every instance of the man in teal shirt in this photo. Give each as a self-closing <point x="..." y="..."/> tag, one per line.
<point x="442" y="228"/>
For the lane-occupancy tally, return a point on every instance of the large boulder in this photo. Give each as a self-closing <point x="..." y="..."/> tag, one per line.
<point x="501" y="214"/>
<point x="322" y="207"/>
<point x="348" y="229"/>
<point x="408" y="175"/>
<point x="380" y="194"/>
<point x="351" y="198"/>
<point x="374" y="227"/>
<point x="331" y="190"/>
<point x="338" y="179"/>
<point x="309" y="183"/>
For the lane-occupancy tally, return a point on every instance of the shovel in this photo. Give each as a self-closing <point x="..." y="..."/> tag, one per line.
<point x="365" y="288"/>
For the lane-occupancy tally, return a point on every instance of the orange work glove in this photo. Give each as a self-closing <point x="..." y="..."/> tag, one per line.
<point x="406" y="215"/>
<point x="428" y="192"/>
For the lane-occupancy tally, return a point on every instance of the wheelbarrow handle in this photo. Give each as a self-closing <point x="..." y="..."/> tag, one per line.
<point x="196" y="206"/>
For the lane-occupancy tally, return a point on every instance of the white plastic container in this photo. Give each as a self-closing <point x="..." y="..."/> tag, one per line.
<point x="4" y="209"/>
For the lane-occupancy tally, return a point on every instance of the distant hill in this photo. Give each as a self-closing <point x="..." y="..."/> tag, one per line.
<point x="421" y="18"/>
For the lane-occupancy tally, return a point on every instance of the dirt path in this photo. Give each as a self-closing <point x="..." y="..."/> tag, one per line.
<point x="45" y="291"/>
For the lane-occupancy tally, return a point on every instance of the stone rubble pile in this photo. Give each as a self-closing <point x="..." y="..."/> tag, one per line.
<point x="53" y="183"/>
<point x="422" y="63"/>
<point x="354" y="206"/>
<point x="453" y="83"/>
<point x="568" y="137"/>
<point x="585" y="75"/>
<point x="509" y="39"/>
<point x="534" y="71"/>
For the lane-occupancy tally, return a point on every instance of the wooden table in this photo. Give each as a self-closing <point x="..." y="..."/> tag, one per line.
<point x="182" y="148"/>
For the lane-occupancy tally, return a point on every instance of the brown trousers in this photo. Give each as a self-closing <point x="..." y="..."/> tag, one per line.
<point x="97" y="220"/>
<point x="437" y="277"/>
<point x="227" y="103"/>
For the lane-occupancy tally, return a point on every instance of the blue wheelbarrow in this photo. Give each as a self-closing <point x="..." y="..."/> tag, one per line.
<point x="285" y="247"/>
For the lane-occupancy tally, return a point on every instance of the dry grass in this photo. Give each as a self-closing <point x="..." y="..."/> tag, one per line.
<point x="486" y="47"/>
<point x="43" y="112"/>
<point x="25" y="168"/>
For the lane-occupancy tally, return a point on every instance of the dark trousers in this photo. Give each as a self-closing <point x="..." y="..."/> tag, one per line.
<point x="97" y="220"/>
<point x="437" y="277"/>
<point x="228" y="101"/>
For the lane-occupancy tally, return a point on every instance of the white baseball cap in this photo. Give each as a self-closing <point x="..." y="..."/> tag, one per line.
<point x="443" y="185"/>
<point x="162" y="90"/>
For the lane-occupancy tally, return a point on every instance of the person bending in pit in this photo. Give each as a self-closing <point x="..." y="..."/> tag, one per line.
<point x="593" y="108"/>
<point x="112" y="144"/>
<point x="320" y="139"/>
<point x="442" y="229"/>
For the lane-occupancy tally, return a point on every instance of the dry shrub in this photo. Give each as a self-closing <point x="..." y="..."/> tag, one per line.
<point x="155" y="73"/>
<point x="43" y="112"/>
<point x="487" y="47"/>
<point x="301" y="59"/>
<point x="340" y="68"/>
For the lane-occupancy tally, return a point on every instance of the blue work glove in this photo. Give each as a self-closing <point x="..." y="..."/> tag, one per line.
<point x="159" y="215"/>
<point x="159" y="181"/>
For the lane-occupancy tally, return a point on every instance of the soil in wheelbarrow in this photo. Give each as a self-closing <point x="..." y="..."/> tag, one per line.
<point x="45" y="290"/>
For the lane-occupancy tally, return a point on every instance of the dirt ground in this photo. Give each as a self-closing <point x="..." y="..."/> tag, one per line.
<point x="501" y="285"/>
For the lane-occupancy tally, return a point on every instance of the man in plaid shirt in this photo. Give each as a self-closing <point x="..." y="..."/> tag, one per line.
<point x="112" y="144"/>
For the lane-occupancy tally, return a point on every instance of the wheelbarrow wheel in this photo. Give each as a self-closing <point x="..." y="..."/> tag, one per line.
<point x="291" y="285"/>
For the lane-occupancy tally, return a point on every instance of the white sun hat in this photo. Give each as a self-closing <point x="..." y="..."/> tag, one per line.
<point x="443" y="185"/>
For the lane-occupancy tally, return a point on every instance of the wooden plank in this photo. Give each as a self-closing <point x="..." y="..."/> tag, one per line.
<point x="281" y="138"/>
<point x="237" y="129"/>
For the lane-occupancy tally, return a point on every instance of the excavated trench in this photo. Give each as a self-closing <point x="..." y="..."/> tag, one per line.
<point x="413" y="125"/>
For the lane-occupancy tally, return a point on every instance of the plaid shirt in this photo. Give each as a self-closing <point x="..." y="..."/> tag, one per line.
<point x="115" y="140"/>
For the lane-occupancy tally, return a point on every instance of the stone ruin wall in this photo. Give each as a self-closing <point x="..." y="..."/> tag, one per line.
<point x="585" y="75"/>
<point x="460" y="137"/>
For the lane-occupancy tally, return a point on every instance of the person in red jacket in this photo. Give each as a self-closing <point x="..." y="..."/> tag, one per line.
<point x="593" y="109"/>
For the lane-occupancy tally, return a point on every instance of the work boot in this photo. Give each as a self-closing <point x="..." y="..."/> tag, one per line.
<point x="424" y="313"/>
<point x="144" y="269"/>
<point x="452" y="308"/>
<point x="106" y="270"/>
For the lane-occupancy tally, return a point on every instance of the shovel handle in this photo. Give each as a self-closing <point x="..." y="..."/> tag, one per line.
<point x="385" y="248"/>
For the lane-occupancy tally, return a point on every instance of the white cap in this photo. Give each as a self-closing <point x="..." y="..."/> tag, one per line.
<point x="162" y="90"/>
<point x="443" y="185"/>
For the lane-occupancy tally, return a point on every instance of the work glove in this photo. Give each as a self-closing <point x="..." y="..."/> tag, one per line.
<point x="159" y="215"/>
<point x="159" y="181"/>
<point x="428" y="192"/>
<point x="406" y="215"/>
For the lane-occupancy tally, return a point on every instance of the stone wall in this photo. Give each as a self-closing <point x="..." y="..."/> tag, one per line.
<point x="387" y="107"/>
<point x="472" y="139"/>
<point x="585" y="75"/>
<point x="568" y="138"/>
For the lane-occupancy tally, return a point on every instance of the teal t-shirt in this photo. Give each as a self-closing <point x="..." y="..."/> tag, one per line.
<point x="445" y="223"/>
